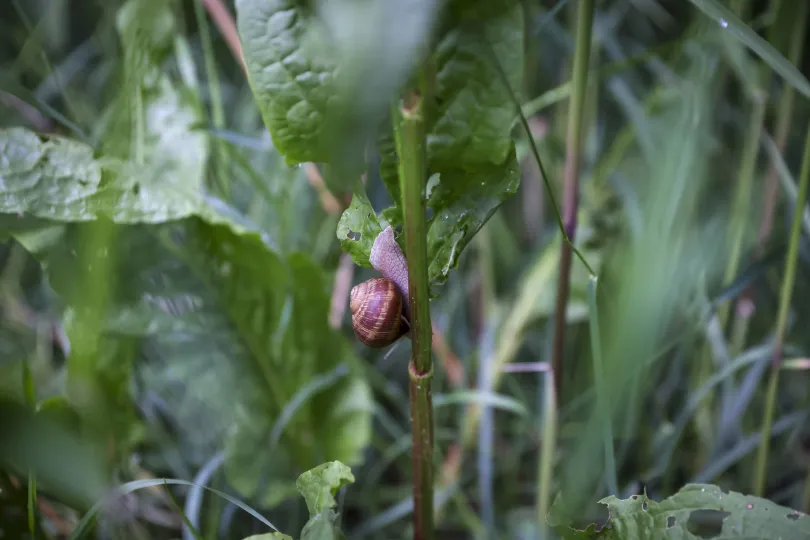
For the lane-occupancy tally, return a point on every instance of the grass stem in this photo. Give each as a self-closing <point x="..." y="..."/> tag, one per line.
<point x="781" y="321"/>
<point x="784" y="117"/>
<point x="547" y="446"/>
<point x="585" y="10"/>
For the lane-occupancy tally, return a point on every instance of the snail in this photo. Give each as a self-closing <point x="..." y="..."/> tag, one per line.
<point x="379" y="306"/>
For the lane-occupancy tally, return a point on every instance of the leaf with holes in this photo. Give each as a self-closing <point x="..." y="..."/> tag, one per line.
<point x="696" y="511"/>
<point x="358" y="227"/>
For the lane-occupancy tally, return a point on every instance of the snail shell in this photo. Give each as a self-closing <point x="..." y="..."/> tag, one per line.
<point x="377" y="317"/>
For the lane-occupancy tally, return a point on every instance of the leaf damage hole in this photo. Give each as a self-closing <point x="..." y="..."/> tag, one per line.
<point x="353" y="235"/>
<point x="706" y="523"/>
<point x="670" y="522"/>
<point x="793" y="516"/>
<point x="644" y="506"/>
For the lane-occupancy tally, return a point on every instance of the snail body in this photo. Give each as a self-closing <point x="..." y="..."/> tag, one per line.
<point x="379" y="306"/>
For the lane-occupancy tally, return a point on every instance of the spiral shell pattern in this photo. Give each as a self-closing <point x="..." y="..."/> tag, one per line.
<point x="376" y="307"/>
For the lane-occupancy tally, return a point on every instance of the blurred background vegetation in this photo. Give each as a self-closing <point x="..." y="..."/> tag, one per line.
<point x="153" y="358"/>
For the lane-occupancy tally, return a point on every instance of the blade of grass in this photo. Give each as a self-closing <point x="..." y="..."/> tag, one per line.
<point x="781" y="321"/>
<point x="603" y="401"/>
<point x="194" y="499"/>
<point x="217" y="110"/>
<point x="548" y="444"/>
<point x="536" y="153"/>
<point x="784" y="117"/>
<point x="728" y="21"/>
<point x="82" y="528"/>
<point x="187" y="526"/>
<point x="486" y="427"/>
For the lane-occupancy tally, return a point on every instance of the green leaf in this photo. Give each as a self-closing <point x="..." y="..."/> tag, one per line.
<point x="147" y="30"/>
<point x="358" y="228"/>
<point x="690" y="514"/>
<point x="729" y="22"/>
<point x="475" y="111"/>
<point x="268" y="536"/>
<point x="60" y="179"/>
<point x="27" y="441"/>
<point x="322" y="527"/>
<point x="318" y="486"/>
<point x="472" y="161"/>
<point x="324" y="74"/>
<point x="217" y="313"/>
<point x="292" y="86"/>
<point x="462" y="202"/>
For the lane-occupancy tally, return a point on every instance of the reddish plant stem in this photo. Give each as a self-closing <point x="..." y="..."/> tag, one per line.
<point x="582" y="55"/>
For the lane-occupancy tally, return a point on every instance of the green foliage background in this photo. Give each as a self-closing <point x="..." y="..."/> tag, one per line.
<point x="167" y="270"/>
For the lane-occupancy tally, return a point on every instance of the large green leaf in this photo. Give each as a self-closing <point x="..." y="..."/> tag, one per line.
<point x="323" y="74"/>
<point x="60" y="179"/>
<point x="475" y="110"/>
<point x="292" y="86"/>
<point x="471" y="156"/>
<point x="696" y="511"/>
<point x="234" y="338"/>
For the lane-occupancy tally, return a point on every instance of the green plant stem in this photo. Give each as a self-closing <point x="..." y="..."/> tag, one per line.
<point x="603" y="401"/>
<point x="582" y="55"/>
<point x="739" y="226"/>
<point x="412" y="152"/>
<point x="784" y="117"/>
<point x="781" y="321"/>
<point x="547" y="446"/>
<point x="217" y="110"/>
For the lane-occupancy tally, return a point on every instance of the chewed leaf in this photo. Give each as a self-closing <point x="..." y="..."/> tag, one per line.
<point x="358" y="227"/>
<point x="292" y="87"/>
<point x="696" y="511"/>
<point x="318" y="486"/>
<point x="462" y="202"/>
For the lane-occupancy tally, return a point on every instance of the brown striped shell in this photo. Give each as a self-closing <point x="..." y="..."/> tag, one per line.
<point x="376" y="307"/>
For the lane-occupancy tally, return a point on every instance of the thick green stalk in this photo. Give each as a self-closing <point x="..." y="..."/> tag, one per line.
<point x="781" y="320"/>
<point x="571" y="179"/>
<point x="412" y="163"/>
